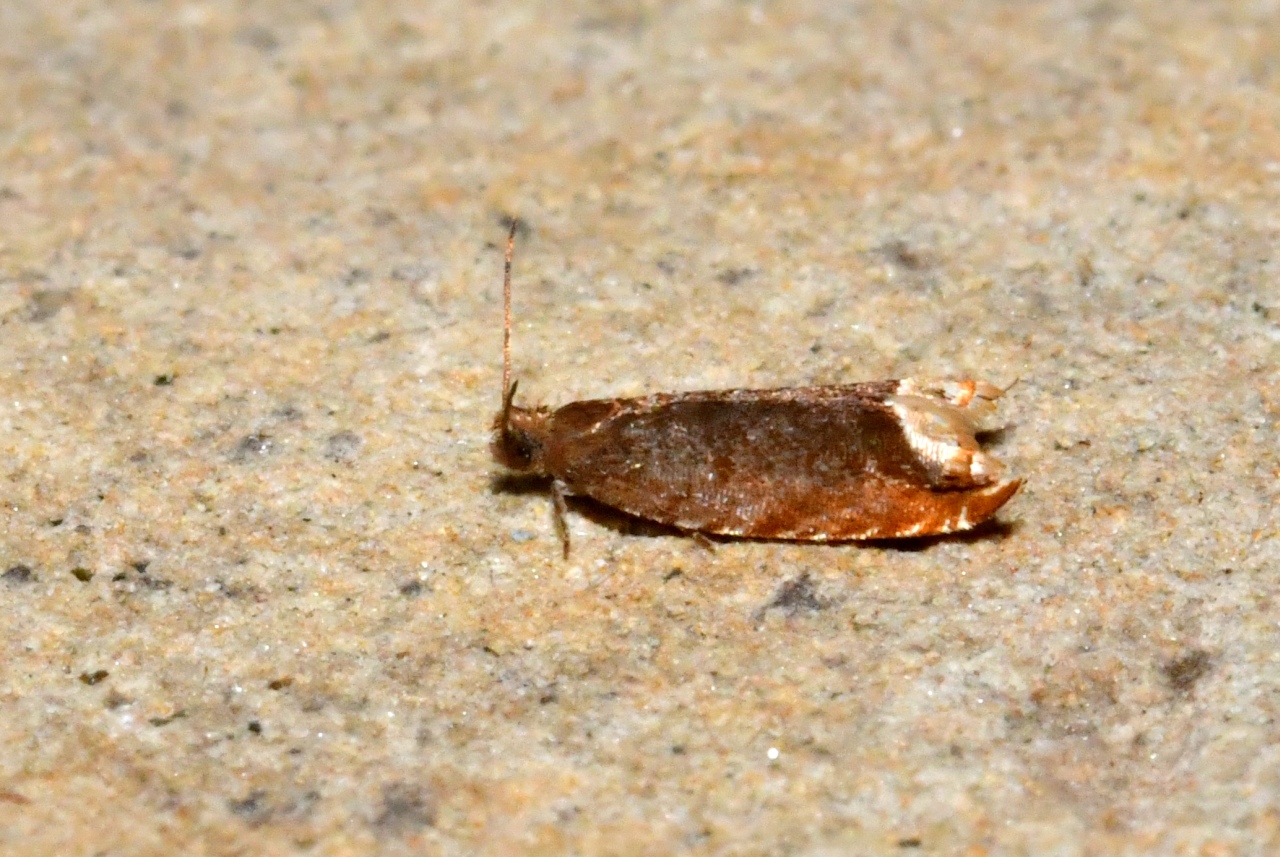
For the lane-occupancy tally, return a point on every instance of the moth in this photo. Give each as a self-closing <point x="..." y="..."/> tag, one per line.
<point x="846" y="462"/>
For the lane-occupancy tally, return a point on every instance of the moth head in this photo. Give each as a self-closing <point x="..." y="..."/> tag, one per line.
<point x="519" y="435"/>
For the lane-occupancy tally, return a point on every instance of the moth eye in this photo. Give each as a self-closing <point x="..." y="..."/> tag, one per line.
<point x="510" y="452"/>
<point x="524" y="450"/>
<point x="519" y="454"/>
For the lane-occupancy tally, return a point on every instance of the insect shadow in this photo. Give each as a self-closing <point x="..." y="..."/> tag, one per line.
<point x="994" y="436"/>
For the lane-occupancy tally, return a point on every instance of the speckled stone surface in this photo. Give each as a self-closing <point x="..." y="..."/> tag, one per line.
<point x="261" y="596"/>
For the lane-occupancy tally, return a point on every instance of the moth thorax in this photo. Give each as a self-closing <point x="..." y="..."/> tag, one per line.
<point x="519" y="436"/>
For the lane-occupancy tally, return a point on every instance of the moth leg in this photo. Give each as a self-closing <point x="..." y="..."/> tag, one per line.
<point x="558" y="493"/>
<point x="702" y="541"/>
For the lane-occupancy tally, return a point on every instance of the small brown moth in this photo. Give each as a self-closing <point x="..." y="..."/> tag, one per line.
<point x="875" y="460"/>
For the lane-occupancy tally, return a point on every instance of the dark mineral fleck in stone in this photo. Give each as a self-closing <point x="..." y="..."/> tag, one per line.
<point x="796" y="595"/>
<point x="252" y="446"/>
<point x="18" y="574"/>
<point x="343" y="447"/>
<point x="1183" y="673"/>
<point x="405" y="807"/>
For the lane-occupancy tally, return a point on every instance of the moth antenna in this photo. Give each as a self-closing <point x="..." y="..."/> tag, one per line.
<point x="507" y="398"/>
<point x="508" y="389"/>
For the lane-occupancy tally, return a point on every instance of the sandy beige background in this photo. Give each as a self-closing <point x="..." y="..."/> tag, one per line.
<point x="260" y="596"/>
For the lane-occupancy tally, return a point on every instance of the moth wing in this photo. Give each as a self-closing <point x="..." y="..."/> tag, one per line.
<point x="861" y="461"/>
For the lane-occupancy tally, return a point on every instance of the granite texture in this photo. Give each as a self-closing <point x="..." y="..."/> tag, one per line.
<point x="261" y="594"/>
